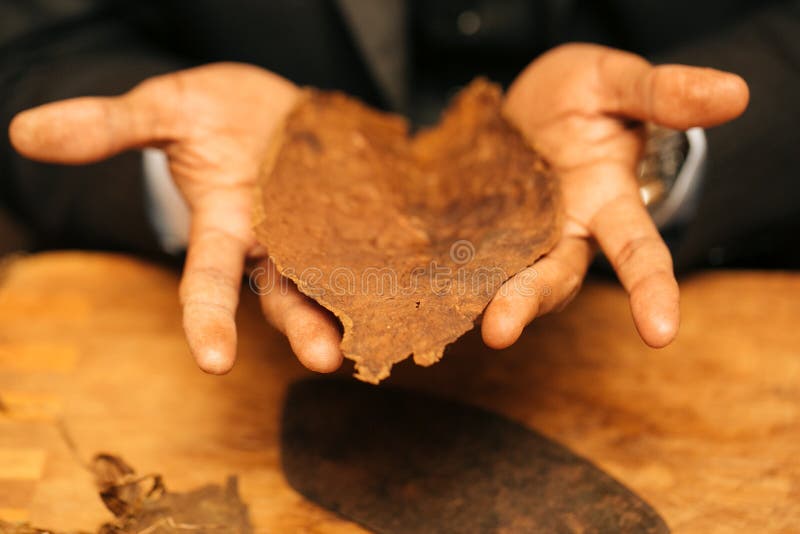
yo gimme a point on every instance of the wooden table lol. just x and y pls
(707, 430)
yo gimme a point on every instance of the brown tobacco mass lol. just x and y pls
(142, 504)
(405, 239)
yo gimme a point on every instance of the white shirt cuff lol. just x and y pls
(166, 208)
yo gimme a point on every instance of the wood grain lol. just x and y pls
(707, 430)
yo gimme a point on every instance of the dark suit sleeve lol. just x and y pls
(749, 210)
(51, 50)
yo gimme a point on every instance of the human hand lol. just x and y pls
(578, 103)
(214, 123)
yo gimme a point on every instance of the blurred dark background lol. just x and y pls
(408, 56)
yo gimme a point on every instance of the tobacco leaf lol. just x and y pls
(404, 238)
(142, 504)
(123, 492)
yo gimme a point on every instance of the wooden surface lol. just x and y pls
(708, 430)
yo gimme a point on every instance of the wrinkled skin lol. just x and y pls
(577, 102)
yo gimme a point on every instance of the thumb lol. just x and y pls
(88, 129)
(675, 96)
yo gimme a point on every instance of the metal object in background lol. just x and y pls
(670, 173)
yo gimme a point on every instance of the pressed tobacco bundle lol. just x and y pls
(404, 238)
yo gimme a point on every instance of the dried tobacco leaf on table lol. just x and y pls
(405, 239)
(142, 504)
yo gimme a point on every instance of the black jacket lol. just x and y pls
(405, 55)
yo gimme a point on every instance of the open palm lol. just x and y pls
(214, 123)
(581, 106)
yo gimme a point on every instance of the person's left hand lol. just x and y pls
(580, 105)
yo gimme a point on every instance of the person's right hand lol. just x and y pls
(214, 123)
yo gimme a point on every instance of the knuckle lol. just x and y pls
(663, 275)
(637, 248)
(214, 237)
(159, 101)
(208, 307)
(207, 282)
(214, 276)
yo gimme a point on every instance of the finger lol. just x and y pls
(83, 130)
(630, 240)
(674, 96)
(210, 292)
(312, 331)
(548, 285)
